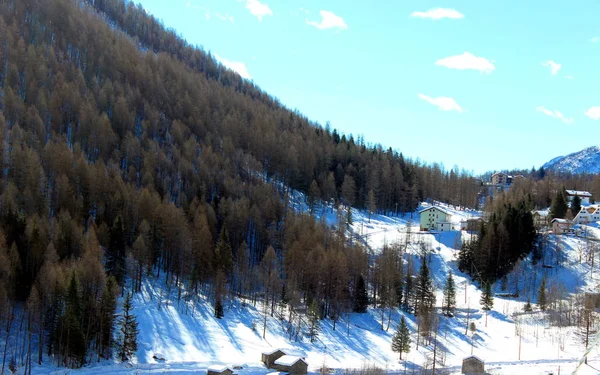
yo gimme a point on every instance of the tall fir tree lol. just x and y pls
(314, 324)
(75, 348)
(576, 205)
(108, 305)
(425, 296)
(449, 296)
(401, 339)
(128, 331)
(542, 301)
(559, 207)
(487, 299)
(223, 259)
(361, 299)
(115, 254)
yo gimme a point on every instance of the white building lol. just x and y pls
(585, 196)
(587, 215)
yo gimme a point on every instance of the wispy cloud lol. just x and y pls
(595, 39)
(329, 20)
(442, 102)
(555, 114)
(438, 14)
(569, 77)
(593, 113)
(225, 17)
(238, 67)
(467, 61)
(258, 9)
(553, 65)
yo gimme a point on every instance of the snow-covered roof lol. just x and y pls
(288, 360)
(436, 207)
(272, 351)
(473, 356)
(561, 221)
(218, 368)
(579, 193)
(542, 213)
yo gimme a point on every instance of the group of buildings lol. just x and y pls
(276, 359)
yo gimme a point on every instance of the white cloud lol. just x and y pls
(225, 17)
(238, 67)
(569, 77)
(553, 65)
(442, 102)
(593, 113)
(438, 14)
(467, 61)
(595, 39)
(258, 9)
(555, 114)
(329, 21)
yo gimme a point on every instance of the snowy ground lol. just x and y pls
(190, 339)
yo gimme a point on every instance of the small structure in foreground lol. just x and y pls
(291, 364)
(473, 366)
(269, 357)
(219, 370)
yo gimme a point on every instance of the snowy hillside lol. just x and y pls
(189, 338)
(584, 161)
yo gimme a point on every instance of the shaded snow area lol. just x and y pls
(191, 340)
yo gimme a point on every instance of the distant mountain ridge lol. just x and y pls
(584, 161)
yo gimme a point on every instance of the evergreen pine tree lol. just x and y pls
(108, 305)
(449, 296)
(361, 300)
(128, 331)
(559, 205)
(576, 205)
(314, 325)
(223, 253)
(527, 307)
(401, 339)
(487, 299)
(425, 297)
(75, 345)
(219, 308)
(541, 297)
(115, 253)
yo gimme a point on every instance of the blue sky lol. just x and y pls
(484, 85)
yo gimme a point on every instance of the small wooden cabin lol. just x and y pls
(292, 365)
(269, 357)
(473, 366)
(219, 370)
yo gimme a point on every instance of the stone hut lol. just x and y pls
(219, 370)
(291, 364)
(473, 366)
(269, 357)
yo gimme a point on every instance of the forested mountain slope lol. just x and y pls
(127, 152)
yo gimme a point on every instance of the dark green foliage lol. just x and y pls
(424, 293)
(559, 205)
(527, 307)
(576, 205)
(75, 348)
(108, 306)
(449, 296)
(401, 339)
(314, 324)
(508, 235)
(361, 299)
(487, 298)
(223, 254)
(542, 300)
(219, 308)
(128, 331)
(115, 254)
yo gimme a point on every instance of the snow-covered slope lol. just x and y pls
(189, 338)
(584, 161)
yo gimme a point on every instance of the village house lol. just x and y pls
(219, 370)
(561, 226)
(435, 218)
(585, 196)
(291, 364)
(587, 215)
(473, 366)
(541, 219)
(269, 357)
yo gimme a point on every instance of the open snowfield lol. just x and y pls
(190, 339)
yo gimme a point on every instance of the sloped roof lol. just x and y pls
(579, 193)
(273, 351)
(475, 357)
(288, 360)
(436, 207)
(561, 221)
(218, 368)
